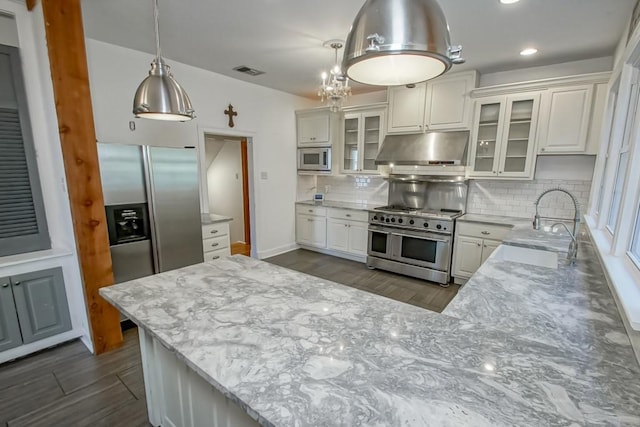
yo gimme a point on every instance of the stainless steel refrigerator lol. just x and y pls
(153, 208)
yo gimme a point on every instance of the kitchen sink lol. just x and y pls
(527, 256)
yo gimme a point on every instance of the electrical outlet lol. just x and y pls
(264, 175)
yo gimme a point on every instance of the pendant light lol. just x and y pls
(399, 42)
(159, 96)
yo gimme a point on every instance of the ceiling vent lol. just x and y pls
(248, 70)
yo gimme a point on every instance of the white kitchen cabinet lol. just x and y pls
(564, 123)
(313, 127)
(473, 245)
(597, 117)
(467, 256)
(363, 132)
(311, 230)
(488, 246)
(448, 104)
(347, 236)
(215, 241)
(406, 108)
(504, 136)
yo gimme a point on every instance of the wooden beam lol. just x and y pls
(70, 76)
(31, 4)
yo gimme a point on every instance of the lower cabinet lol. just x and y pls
(473, 245)
(342, 232)
(215, 241)
(33, 306)
(347, 236)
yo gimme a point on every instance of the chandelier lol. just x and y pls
(335, 85)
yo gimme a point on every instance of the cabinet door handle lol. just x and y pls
(214, 231)
(486, 233)
(348, 215)
(500, 172)
(479, 244)
(215, 244)
(5, 285)
(309, 220)
(16, 284)
(311, 210)
(215, 257)
(485, 246)
(542, 149)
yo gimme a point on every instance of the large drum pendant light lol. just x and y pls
(399, 42)
(159, 96)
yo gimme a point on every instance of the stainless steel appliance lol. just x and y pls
(153, 209)
(413, 235)
(314, 159)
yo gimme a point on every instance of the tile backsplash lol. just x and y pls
(356, 189)
(516, 198)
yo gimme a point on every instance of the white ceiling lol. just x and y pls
(284, 37)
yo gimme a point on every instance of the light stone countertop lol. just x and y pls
(341, 205)
(214, 218)
(520, 345)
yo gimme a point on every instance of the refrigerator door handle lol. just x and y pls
(155, 244)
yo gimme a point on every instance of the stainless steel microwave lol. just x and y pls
(314, 159)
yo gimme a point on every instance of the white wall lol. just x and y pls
(265, 116)
(224, 179)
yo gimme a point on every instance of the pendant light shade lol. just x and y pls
(399, 42)
(160, 96)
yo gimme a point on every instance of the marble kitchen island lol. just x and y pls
(287, 349)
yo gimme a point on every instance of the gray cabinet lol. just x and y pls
(33, 307)
(9, 327)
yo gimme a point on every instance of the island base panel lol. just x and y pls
(178, 397)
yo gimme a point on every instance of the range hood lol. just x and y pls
(425, 149)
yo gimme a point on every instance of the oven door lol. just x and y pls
(429, 250)
(379, 244)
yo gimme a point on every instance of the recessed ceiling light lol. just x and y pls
(509, 1)
(529, 51)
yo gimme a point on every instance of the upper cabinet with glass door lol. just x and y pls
(363, 133)
(503, 138)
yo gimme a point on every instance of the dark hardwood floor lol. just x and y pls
(68, 386)
(355, 274)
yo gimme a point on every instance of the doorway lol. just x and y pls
(227, 174)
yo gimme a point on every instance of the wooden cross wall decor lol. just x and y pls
(229, 112)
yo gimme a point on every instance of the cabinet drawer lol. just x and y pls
(215, 243)
(483, 231)
(311, 210)
(214, 255)
(349, 214)
(215, 230)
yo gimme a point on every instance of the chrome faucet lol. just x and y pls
(573, 247)
(572, 254)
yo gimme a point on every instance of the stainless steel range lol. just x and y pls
(414, 235)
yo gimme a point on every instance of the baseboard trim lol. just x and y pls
(345, 255)
(27, 349)
(276, 251)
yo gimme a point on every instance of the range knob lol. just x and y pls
(400, 221)
(412, 222)
(375, 217)
(393, 220)
(426, 225)
(381, 218)
(438, 226)
(387, 220)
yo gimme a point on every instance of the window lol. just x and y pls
(634, 250)
(623, 160)
(617, 191)
(23, 226)
(606, 163)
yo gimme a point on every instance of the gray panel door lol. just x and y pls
(41, 302)
(175, 207)
(9, 327)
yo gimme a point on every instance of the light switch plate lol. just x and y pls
(264, 175)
